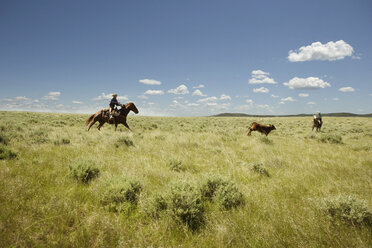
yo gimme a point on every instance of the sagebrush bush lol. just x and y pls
(331, 138)
(158, 204)
(6, 153)
(210, 185)
(260, 169)
(124, 140)
(348, 208)
(3, 139)
(186, 204)
(228, 196)
(119, 194)
(222, 191)
(176, 165)
(83, 170)
(63, 141)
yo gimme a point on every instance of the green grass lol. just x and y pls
(149, 189)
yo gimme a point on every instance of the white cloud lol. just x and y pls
(318, 51)
(261, 77)
(198, 93)
(77, 102)
(303, 95)
(274, 96)
(208, 99)
(311, 103)
(53, 95)
(335, 99)
(306, 83)
(288, 99)
(346, 89)
(225, 97)
(250, 101)
(154, 92)
(193, 104)
(22, 98)
(261, 90)
(281, 102)
(265, 107)
(180, 90)
(199, 86)
(143, 97)
(150, 82)
(104, 96)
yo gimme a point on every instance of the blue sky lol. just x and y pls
(187, 58)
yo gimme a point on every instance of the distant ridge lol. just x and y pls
(342, 114)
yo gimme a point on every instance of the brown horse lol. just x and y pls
(317, 124)
(102, 117)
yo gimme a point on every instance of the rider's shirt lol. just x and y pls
(114, 102)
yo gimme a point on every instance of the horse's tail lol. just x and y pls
(89, 119)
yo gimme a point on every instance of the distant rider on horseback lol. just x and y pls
(318, 117)
(113, 103)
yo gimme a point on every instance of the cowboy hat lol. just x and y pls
(114, 94)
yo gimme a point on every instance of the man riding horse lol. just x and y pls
(113, 103)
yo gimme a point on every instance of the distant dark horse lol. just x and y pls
(317, 124)
(102, 117)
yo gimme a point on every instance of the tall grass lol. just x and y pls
(167, 167)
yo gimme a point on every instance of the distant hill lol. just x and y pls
(342, 114)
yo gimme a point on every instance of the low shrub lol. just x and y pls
(83, 170)
(158, 204)
(186, 205)
(6, 153)
(210, 186)
(260, 169)
(176, 165)
(63, 141)
(124, 140)
(228, 196)
(222, 191)
(3, 139)
(348, 208)
(331, 138)
(120, 193)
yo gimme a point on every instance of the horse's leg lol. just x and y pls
(116, 125)
(101, 123)
(92, 123)
(125, 124)
(249, 133)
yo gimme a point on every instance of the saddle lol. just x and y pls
(114, 112)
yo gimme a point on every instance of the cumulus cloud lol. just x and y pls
(211, 99)
(180, 90)
(261, 90)
(261, 77)
(150, 82)
(288, 99)
(199, 86)
(318, 51)
(77, 102)
(104, 96)
(274, 96)
(198, 93)
(306, 83)
(22, 98)
(154, 92)
(225, 97)
(265, 107)
(250, 101)
(193, 104)
(303, 95)
(311, 103)
(53, 95)
(346, 89)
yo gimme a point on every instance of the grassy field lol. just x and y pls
(184, 182)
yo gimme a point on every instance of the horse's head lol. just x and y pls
(131, 106)
(272, 127)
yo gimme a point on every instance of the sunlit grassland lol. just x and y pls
(43, 205)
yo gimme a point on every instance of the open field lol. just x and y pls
(270, 192)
